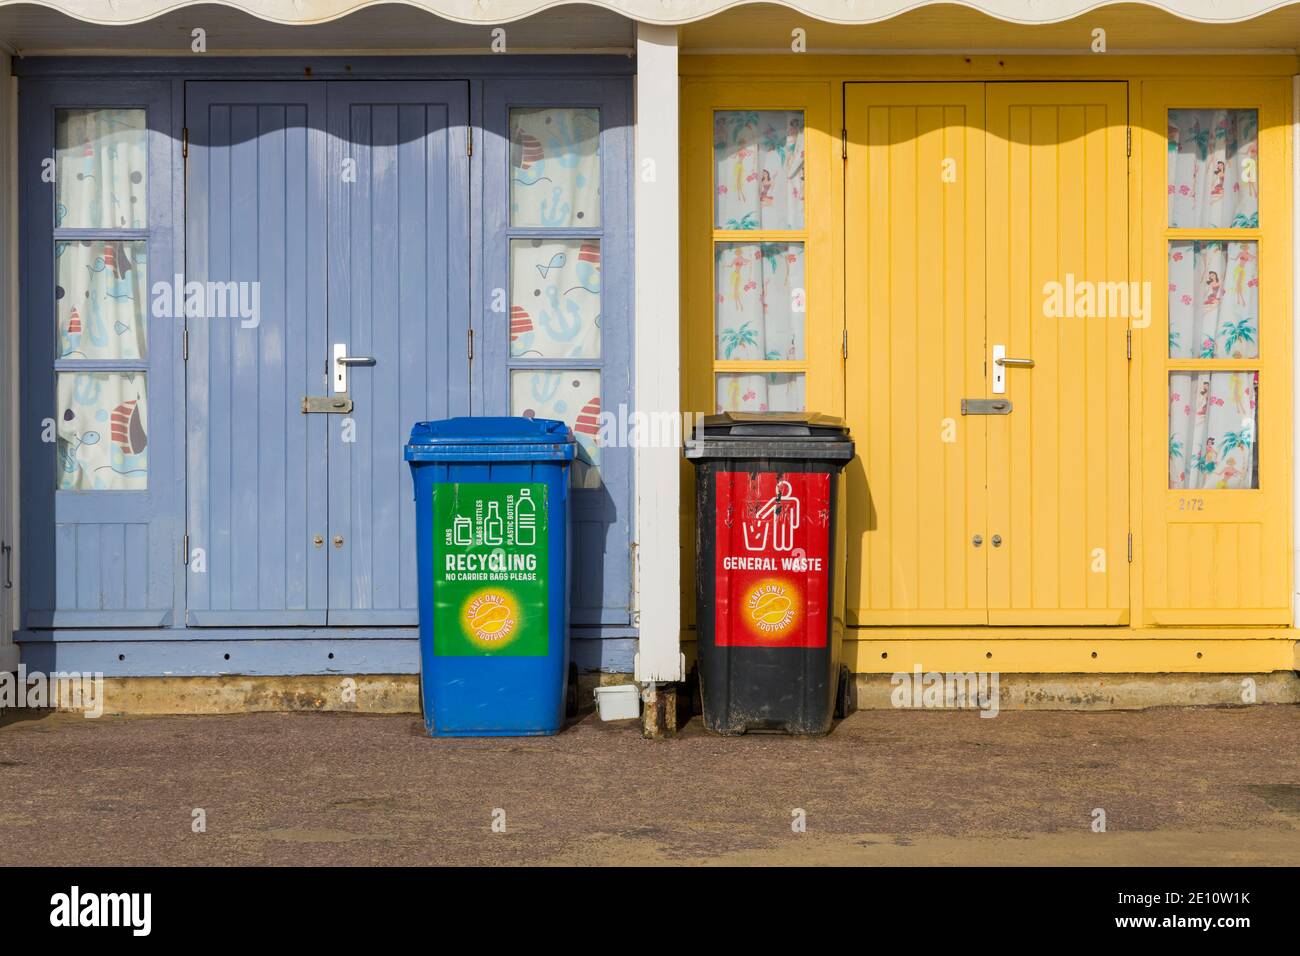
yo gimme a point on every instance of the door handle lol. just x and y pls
(1002, 362)
(342, 361)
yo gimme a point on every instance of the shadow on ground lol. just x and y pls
(1177, 786)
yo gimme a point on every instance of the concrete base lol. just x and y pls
(1110, 691)
(362, 694)
(400, 694)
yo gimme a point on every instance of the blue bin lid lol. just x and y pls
(490, 439)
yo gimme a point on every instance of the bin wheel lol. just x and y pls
(571, 696)
(844, 694)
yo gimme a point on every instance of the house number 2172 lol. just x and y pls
(1191, 504)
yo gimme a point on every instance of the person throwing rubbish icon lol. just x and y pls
(778, 519)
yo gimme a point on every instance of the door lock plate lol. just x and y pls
(326, 404)
(985, 406)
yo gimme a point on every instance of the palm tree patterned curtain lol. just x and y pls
(1213, 299)
(758, 175)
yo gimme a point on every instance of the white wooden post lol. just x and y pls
(658, 354)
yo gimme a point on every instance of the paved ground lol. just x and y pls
(1206, 787)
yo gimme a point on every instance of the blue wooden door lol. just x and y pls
(257, 466)
(345, 207)
(557, 291)
(398, 295)
(99, 435)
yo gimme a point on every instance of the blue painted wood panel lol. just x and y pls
(398, 293)
(386, 650)
(94, 558)
(256, 464)
(601, 517)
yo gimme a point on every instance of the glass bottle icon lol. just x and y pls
(492, 528)
(525, 519)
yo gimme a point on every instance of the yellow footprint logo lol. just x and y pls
(771, 608)
(490, 618)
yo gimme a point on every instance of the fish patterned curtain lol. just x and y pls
(759, 172)
(555, 298)
(568, 395)
(100, 169)
(102, 431)
(102, 299)
(555, 167)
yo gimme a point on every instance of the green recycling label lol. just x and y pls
(489, 576)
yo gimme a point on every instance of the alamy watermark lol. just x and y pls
(1077, 298)
(953, 690)
(208, 300)
(61, 690)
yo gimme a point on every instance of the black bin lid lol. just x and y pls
(771, 435)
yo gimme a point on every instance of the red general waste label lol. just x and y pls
(771, 562)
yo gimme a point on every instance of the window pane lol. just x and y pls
(569, 395)
(101, 169)
(759, 301)
(1213, 300)
(758, 169)
(102, 299)
(103, 431)
(1213, 169)
(760, 392)
(1212, 429)
(555, 298)
(555, 167)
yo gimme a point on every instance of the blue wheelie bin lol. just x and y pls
(491, 505)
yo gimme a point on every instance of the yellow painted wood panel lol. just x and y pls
(1218, 556)
(1058, 463)
(1218, 652)
(914, 203)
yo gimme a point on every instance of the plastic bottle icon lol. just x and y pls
(493, 527)
(525, 519)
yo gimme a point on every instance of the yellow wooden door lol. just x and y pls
(973, 213)
(1058, 294)
(914, 301)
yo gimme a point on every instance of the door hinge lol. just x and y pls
(471, 345)
(185, 345)
(1128, 141)
(469, 140)
(1130, 547)
(844, 344)
(1128, 344)
(844, 143)
(185, 142)
(185, 548)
